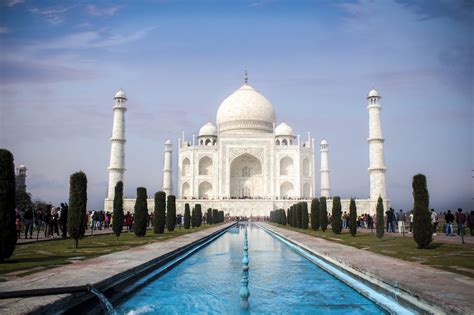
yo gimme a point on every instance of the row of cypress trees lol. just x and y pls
(298, 215)
(319, 214)
(278, 216)
(193, 219)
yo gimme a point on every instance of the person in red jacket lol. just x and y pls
(460, 220)
(128, 221)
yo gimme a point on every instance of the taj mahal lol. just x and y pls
(247, 164)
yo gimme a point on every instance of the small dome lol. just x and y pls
(208, 130)
(22, 167)
(246, 110)
(324, 142)
(373, 93)
(120, 94)
(168, 141)
(283, 130)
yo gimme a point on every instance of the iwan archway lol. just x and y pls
(246, 180)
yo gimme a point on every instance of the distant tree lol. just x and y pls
(323, 213)
(160, 213)
(422, 227)
(198, 210)
(305, 218)
(171, 213)
(117, 221)
(140, 216)
(8, 235)
(77, 206)
(23, 199)
(187, 218)
(353, 217)
(221, 216)
(315, 216)
(294, 216)
(209, 216)
(193, 218)
(379, 226)
(336, 223)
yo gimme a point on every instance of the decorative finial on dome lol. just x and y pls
(246, 80)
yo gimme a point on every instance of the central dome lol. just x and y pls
(246, 110)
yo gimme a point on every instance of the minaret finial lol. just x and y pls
(246, 80)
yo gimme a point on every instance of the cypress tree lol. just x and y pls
(323, 213)
(293, 216)
(215, 216)
(315, 216)
(336, 223)
(140, 216)
(288, 217)
(77, 206)
(305, 218)
(198, 210)
(171, 213)
(283, 216)
(221, 216)
(299, 215)
(160, 213)
(8, 235)
(422, 228)
(187, 218)
(353, 217)
(209, 216)
(117, 222)
(380, 211)
(193, 218)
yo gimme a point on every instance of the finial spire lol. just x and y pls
(246, 79)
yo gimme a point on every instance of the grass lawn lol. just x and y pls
(34, 257)
(457, 258)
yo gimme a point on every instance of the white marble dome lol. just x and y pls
(120, 94)
(246, 110)
(208, 130)
(283, 130)
(373, 93)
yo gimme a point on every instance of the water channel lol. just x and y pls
(281, 282)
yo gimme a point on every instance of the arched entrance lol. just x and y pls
(246, 180)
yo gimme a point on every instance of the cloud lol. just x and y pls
(12, 3)
(103, 11)
(4, 30)
(260, 3)
(53, 15)
(426, 10)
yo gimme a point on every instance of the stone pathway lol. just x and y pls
(452, 292)
(91, 271)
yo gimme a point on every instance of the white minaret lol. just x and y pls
(377, 165)
(167, 171)
(325, 188)
(117, 149)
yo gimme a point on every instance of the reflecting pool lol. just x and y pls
(280, 282)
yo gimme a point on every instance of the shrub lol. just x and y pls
(353, 217)
(77, 206)
(117, 222)
(380, 227)
(7, 205)
(323, 213)
(422, 228)
(171, 213)
(336, 223)
(141, 212)
(160, 213)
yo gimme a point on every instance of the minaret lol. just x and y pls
(117, 149)
(20, 178)
(377, 165)
(167, 171)
(325, 188)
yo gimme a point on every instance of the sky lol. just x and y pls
(61, 63)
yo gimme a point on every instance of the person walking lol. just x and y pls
(401, 221)
(460, 220)
(449, 218)
(411, 221)
(470, 222)
(18, 223)
(434, 221)
(63, 219)
(29, 222)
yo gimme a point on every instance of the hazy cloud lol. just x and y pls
(4, 30)
(53, 15)
(103, 11)
(12, 3)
